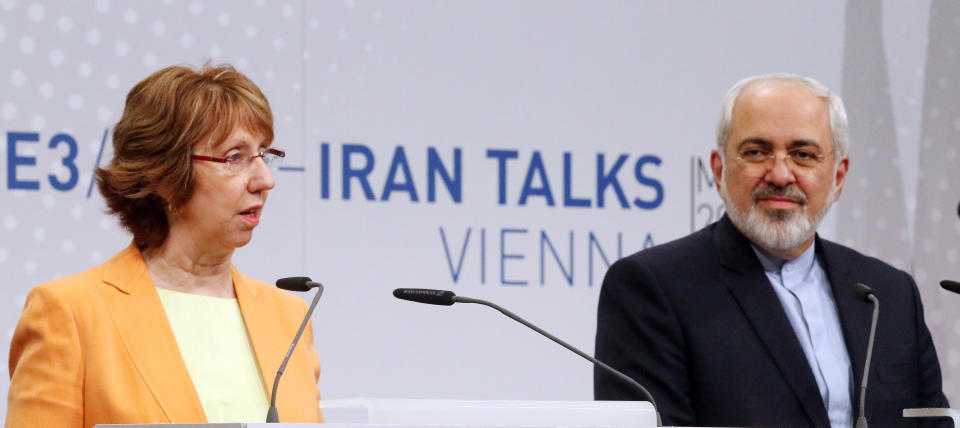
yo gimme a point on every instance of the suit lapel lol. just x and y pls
(262, 322)
(143, 327)
(752, 290)
(855, 314)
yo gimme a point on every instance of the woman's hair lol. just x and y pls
(168, 116)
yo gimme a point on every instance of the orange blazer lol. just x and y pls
(97, 348)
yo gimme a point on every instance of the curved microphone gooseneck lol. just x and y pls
(866, 293)
(298, 283)
(447, 298)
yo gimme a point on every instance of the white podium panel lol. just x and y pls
(476, 413)
(409, 413)
(226, 425)
(328, 425)
(931, 413)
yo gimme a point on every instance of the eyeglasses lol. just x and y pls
(240, 161)
(802, 158)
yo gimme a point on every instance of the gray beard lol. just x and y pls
(776, 231)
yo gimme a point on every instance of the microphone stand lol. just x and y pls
(599, 363)
(867, 294)
(272, 415)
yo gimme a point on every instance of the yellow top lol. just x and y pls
(215, 348)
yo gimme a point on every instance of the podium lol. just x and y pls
(953, 414)
(407, 413)
(412, 413)
(490, 412)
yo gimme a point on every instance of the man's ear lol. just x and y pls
(841, 174)
(716, 164)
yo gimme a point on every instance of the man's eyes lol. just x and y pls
(795, 154)
(803, 155)
(752, 153)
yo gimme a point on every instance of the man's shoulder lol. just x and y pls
(834, 252)
(892, 285)
(696, 244)
(683, 263)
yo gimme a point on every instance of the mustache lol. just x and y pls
(791, 192)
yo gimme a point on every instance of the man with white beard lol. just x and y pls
(753, 320)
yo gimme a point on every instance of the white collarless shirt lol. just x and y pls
(804, 292)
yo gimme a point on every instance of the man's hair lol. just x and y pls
(168, 116)
(838, 114)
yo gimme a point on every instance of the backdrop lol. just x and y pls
(506, 150)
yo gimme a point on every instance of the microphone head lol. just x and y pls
(949, 285)
(296, 283)
(425, 295)
(863, 291)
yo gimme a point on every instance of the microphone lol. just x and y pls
(298, 283)
(447, 298)
(424, 295)
(949, 285)
(866, 294)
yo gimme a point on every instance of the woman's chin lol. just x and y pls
(242, 241)
(237, 239)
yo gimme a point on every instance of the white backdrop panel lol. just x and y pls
(536, 83)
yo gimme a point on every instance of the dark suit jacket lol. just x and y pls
(697, 322)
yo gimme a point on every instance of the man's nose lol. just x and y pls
(780, 173)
